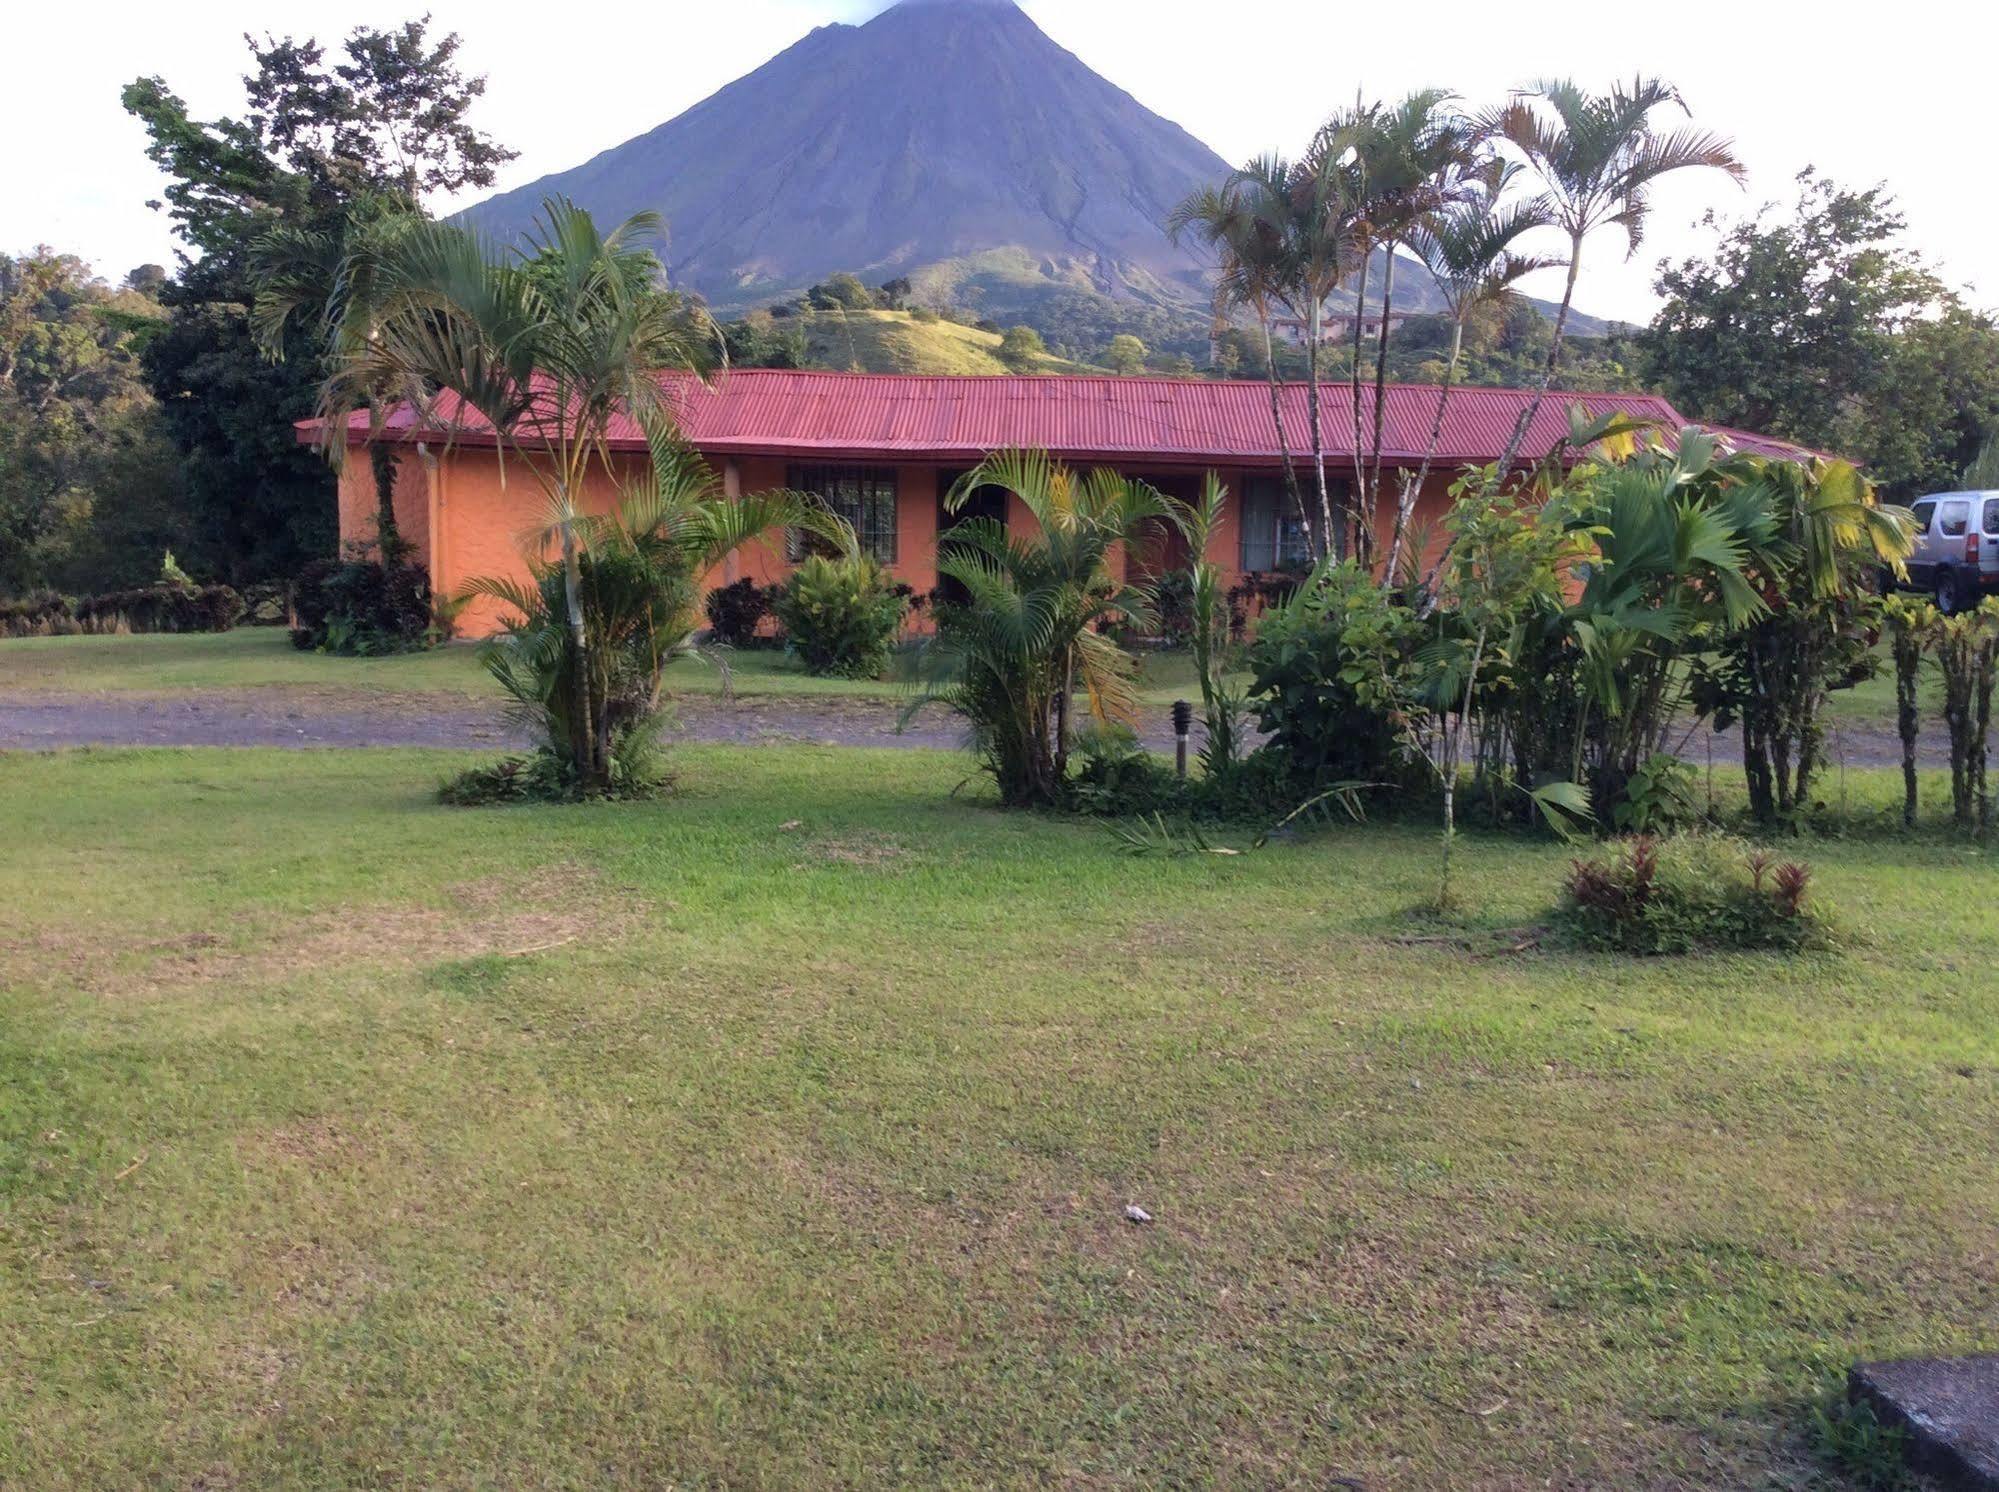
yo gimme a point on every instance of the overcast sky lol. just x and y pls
(1899, 95)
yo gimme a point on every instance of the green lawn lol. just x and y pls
(779, 1134)
(261, 657)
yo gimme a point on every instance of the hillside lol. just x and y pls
(895, 342)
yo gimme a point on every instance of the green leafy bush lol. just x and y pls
(637, 771)
(1689, 893)
(1318, 664)
(737, 610)
(1658, 798)
(359, 608)
(841, 617)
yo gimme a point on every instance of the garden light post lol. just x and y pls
(1183, 723)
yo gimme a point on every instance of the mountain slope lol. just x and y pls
(938, 130)
(895, 342)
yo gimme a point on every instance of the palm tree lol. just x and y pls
(1308, 209)
(324, 280)
(1010, 659)
(545, 347)
(1412, 161)
(1249, 277)
(1467, 247)
(1597, 156)
(636, 575)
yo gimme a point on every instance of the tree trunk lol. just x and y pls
(585, 730)
(1554, 360)
(1369, 515)
(1338, 545)
(1405, 507)
(1315, 540)
(1358, 497)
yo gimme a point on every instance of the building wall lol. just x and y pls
(471, 518)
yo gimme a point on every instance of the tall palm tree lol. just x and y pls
(1467, 248)
(1597, 156)
(1308, 207)
(545, 347)
(1416, 159)
(1249, 277)
(1012, 657)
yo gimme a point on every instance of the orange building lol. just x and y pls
(884, 450)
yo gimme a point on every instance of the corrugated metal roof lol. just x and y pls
(1173, 420)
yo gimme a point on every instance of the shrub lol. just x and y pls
(360, 608)
(1689, 893)
(841, 617)
(150, 608)
(737, 610)
(1317, 663)
(637, 771)
(266, 604)
(1659, 797)
(1173, 608)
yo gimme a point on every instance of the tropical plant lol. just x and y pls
(1597, 157)
(1249, 246)
(1967, 653)
(543, 349)
(634, 575)
(1828, 539)
(1224, 706)
(1689, 893)
(1909, 621)
(1467, 247)
(841, 615)
(1031, 633)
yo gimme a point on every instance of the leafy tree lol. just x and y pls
(1824, 328)
(388, 117)
(841, 292)
(1022, 349)
(1125, 355)
(89, 492)
(761, 340)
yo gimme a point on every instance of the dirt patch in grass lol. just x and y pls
(868, 851)
(494, 915)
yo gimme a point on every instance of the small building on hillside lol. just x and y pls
(885, 449)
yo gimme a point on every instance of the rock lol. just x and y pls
(1133, 1213)
(1949, 1406)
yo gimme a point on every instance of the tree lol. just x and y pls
(1125, 355)
(1034, 628)
(1822, 327)
(389, 118)
(546, 349)
(1250, 276)
(1467, 247)
(841, 292)
(1597, 156)
(1022, 349)
(89, 491)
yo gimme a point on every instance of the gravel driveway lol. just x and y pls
(275, 716)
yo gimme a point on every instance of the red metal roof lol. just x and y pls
(757, 411)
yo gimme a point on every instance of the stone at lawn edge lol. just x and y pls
(1950, 1407)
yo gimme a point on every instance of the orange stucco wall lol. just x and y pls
(468, 518)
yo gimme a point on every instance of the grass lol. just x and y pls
(263, 657)
(895, 342)
(779, 1134)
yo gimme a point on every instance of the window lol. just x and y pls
(863, 495)
(1955, 520)
(1992, 516)
(1923, 512)
(1272, 536)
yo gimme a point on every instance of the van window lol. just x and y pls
(1922, 512)
(1956, 519)
(1992, 516)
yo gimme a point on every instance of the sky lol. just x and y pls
(1865, 96)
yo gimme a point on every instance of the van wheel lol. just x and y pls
(1950, 594)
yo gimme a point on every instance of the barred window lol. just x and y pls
(1272, 537)
(863, 495)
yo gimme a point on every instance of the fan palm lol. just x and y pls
(1597, 156)
(1249, 277)
(545, 347)
(1029, 636)
(1467, 247)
